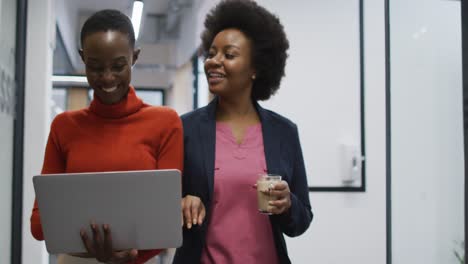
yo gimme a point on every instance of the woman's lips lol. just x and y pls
(215, 80)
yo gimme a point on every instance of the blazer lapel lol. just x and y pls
(271, 140)
(208, 141)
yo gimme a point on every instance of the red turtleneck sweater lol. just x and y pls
(129, 135)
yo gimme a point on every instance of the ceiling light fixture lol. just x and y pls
(56, 79)
(136, 16)
(69, 81)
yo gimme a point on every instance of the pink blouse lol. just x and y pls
(237, 232)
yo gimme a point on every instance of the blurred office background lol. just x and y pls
(375, 86)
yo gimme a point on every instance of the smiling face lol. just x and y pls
(228, 67)
(108, 57)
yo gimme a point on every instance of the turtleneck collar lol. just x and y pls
(129, 105)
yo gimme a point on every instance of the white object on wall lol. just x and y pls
(351, 164)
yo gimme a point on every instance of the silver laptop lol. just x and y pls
(142, 208)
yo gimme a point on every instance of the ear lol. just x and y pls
(80, 51)
(136, 53)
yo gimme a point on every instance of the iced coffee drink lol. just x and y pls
(264, 184)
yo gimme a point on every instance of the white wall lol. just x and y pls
(180, 95)
(348, 227)
(323, 80)
(427, 131)
(39, 49)
(151, 78)
(146, 74)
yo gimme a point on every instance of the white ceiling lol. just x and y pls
(151, 6)
(160, 17)
(159, 25)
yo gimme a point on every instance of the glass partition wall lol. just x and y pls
(427, 159)
(7, 121)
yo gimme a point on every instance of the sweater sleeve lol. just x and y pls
(54, 162)
(145, 255)
(171, 151)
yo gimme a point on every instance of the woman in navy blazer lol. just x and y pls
(246, 50)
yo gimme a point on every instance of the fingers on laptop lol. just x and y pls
(100, 246)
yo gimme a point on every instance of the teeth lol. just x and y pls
(110, 89)
(213, 74)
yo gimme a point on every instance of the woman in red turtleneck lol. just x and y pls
(117, 132)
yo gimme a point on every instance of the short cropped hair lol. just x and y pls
(108, 20)
(269, 41)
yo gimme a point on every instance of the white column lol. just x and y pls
(39, 53)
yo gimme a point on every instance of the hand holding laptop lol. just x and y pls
(102, 248)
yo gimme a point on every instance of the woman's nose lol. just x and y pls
(107, 76)
(213, 61)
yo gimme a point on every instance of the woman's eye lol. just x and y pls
(229, 56)
(118, 68)
(210, 55)
(94, 68)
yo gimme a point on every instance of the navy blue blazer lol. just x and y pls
(283, 156)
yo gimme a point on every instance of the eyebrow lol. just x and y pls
(227, 47)
(121, 58)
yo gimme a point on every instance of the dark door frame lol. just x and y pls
(464, 17)
(17, 196)
(388, 142)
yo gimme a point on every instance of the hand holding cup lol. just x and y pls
(273, 194)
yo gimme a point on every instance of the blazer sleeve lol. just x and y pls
(296, 221)
(54, 162)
